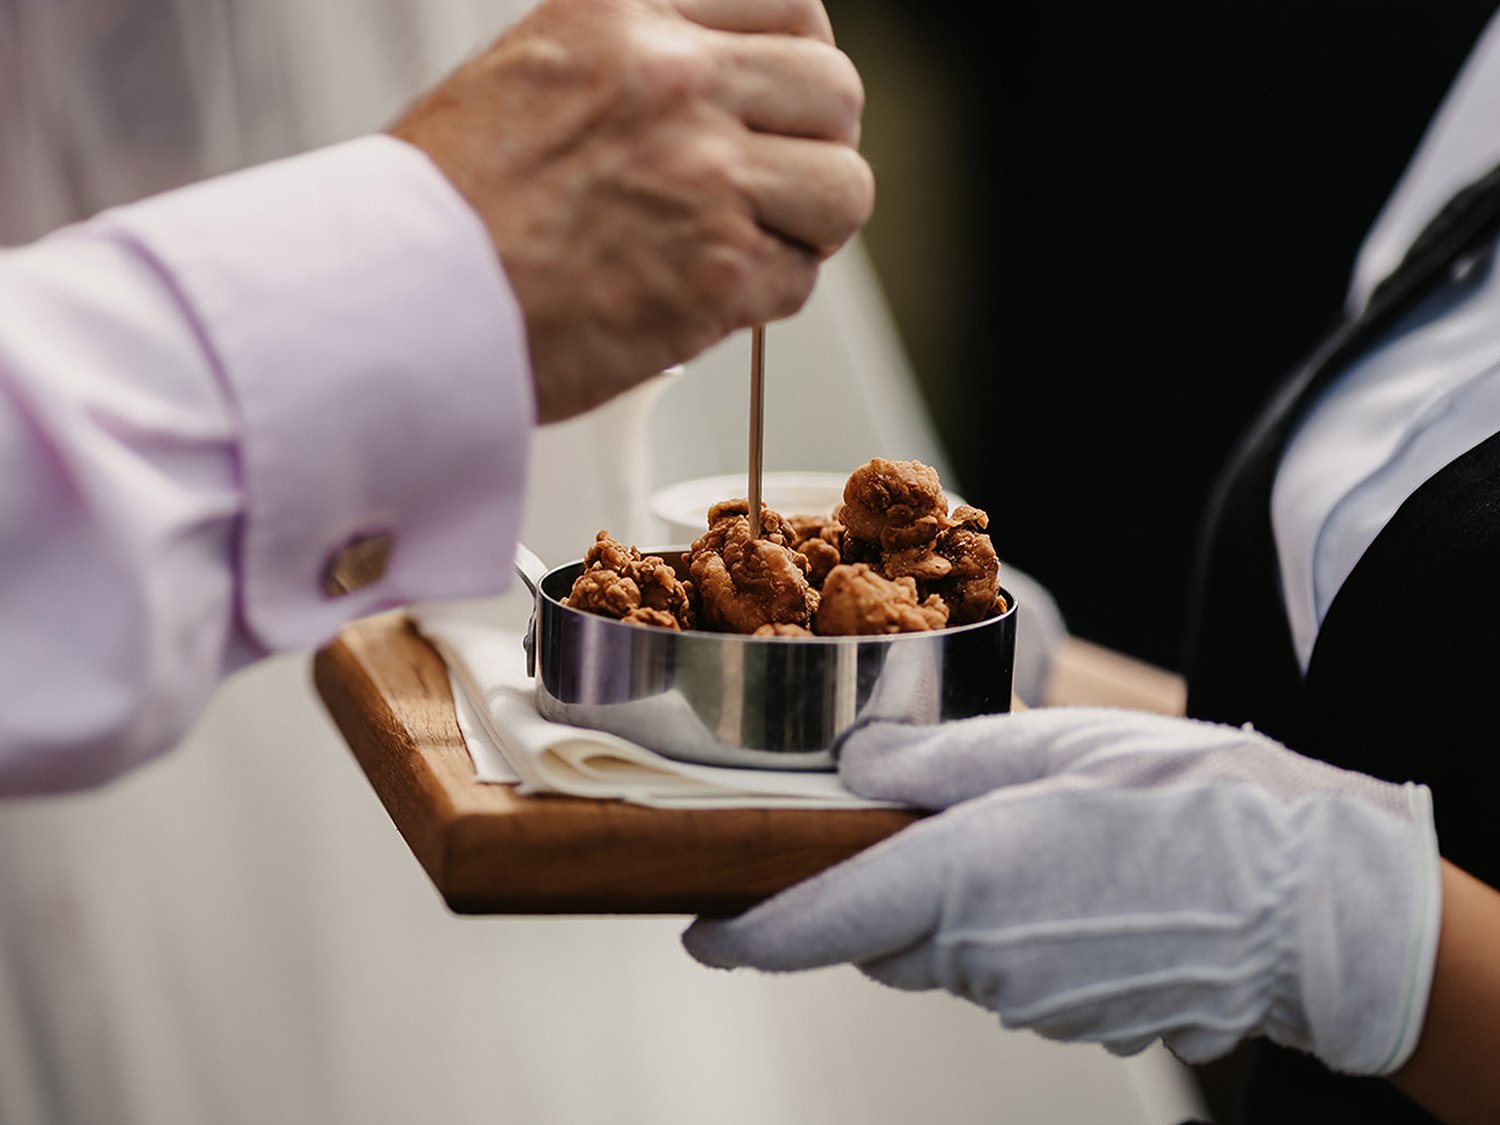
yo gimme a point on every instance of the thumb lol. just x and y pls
(885, 899)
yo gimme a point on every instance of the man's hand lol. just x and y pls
(1119, 877)
(655, 174)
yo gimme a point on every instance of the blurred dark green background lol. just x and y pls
(1106, 229)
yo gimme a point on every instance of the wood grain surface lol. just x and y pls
(489, 850)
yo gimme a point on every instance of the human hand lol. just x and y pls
(655, 174)
(1119, 877)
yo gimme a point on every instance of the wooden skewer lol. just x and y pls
(757, 422)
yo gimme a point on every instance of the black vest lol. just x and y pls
(1401, 678)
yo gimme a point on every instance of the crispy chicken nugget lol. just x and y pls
(619, 582)
(743, 583)
(857, 599)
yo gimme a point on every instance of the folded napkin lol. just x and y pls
(510, 742)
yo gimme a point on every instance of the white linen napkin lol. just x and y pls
(510, 742)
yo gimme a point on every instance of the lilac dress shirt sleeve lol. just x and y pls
(205, 398)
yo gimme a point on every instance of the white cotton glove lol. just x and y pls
(1118, 877)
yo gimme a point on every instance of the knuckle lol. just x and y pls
(839, 86)
(858, 186)
(806, 17)
(794, 290)
(849, 87)
(667, 70)
(713, 165)
(847, 199)
(726, 273)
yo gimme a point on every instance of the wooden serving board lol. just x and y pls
(489, 850)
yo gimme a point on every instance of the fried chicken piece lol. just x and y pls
(605, 592)
(658, 618)
(783, 631)
(894, 512)
(821, 539)
(899, 523)
(610, 554)
(619, 582)
(978, 518)
(890, 559)
(858, 600)
(773, 525)
(743, 583)
(896, 504)
(971, 589)
(854, 550)
(922, 563)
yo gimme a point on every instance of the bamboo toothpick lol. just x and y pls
(757, 422)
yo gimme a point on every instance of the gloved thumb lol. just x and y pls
(886, 899)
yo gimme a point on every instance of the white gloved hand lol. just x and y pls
(1120, 877)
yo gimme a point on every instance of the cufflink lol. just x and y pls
(359, 563)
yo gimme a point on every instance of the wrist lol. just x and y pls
(1451, 1071)
(1366, 926)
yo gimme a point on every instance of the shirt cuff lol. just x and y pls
(375, 357)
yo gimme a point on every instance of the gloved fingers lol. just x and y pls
(910, 969)
(889, 899)
(936, 767)
(1200, 1044)
(882, 901)
(915, 970)
(1124, 1048)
